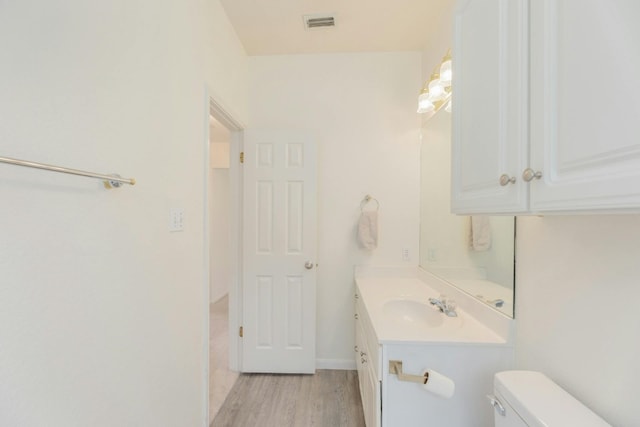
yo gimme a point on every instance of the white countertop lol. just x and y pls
(393, 327)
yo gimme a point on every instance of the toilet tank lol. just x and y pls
(530, 399)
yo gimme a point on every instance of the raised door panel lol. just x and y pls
(489, 106)
(585, 104)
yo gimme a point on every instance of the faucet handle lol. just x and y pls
(444, 299)
(450, 304)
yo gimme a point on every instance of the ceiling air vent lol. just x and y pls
(319, 21)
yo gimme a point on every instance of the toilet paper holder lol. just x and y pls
(395, 368)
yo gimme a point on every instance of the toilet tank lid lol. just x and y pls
(541, 402)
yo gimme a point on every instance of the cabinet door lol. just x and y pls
(585, 104)
(489, 106)
(369, 385)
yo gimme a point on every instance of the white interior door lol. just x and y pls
(279, 292)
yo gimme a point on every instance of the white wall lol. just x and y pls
(442, 40)
(361, 107)
(226, 70)
(577, 293)
(101, 308)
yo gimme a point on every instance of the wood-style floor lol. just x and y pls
(326, 399)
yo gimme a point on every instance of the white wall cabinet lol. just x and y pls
(550, 86)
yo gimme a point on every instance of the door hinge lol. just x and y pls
(241, 332)
(242, 157)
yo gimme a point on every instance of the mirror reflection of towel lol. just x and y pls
(368, 230)
(480, 237)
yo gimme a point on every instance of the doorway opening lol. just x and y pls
(222, 247)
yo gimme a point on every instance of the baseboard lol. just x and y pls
(339, 364)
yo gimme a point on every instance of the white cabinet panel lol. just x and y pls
(489, 106)
(368, 364)
(585, 99)
(471, 367)
(369, 384)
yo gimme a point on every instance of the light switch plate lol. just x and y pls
(176, 219)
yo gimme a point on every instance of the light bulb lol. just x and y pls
(445, 73)
(436, 90)
(424, 103)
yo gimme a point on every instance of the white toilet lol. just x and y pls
(530, 399)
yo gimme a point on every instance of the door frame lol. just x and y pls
(229, 120)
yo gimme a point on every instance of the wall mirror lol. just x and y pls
(485, 271)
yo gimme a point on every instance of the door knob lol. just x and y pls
(529, 175)
(308, 265)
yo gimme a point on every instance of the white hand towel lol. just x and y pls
(368, 230)
(480, 238)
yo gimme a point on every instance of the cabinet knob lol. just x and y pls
(356, 316)
(355, 348)
(506, 179)
(529, 175)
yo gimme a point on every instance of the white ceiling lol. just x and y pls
(267, 27)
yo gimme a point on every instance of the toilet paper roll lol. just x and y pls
(439, 384)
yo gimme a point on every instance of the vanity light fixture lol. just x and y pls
(445, 70)
(424, 103)
(436, 93)
(436, 88)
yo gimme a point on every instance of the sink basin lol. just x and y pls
(411, 311)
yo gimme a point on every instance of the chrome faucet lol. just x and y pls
(445, 305)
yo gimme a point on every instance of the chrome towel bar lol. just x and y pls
(110, 181)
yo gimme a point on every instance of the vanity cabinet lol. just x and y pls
(389, 402)
(545, 106)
